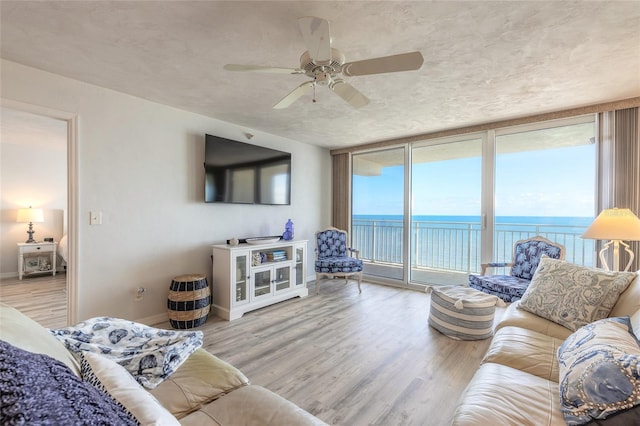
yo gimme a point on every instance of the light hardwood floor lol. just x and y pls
(351, 359)
(348, 358)
(43, 298)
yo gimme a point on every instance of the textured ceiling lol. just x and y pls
(484, 61)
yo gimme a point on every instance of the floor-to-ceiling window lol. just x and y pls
(432, 211)
(446, 188)
(378, 206)
(545, 179)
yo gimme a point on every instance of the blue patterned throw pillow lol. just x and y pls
(599, 372)
(37, 389)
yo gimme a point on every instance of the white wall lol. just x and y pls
(141, 165)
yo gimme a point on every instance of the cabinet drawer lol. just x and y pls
(37, 249)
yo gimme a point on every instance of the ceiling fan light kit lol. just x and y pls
(324, 64)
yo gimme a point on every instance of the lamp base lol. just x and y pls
(616, 255)
(31, 232)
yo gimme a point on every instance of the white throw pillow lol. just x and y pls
(111, 378)
(573, 295)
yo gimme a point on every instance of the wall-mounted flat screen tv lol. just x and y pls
(239, 172)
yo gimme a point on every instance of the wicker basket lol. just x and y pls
(189, 301)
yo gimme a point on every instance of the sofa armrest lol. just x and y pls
(201, 379)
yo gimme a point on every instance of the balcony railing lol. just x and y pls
(455, 246)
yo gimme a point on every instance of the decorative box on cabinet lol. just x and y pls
(251, 276)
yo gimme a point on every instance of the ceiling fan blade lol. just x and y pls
(299, 91)
(317, 39)
(394, 63)
(258, 68)
(349, 93)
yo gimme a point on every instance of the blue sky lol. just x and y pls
(555, 182)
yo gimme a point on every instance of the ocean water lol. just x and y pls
(453, 242)
(536, 220)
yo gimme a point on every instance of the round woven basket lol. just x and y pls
(189, 301)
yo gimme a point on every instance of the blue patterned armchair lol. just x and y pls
(526, 256)
(332, 257)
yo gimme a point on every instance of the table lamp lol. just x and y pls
(30, 215)
(615, 225)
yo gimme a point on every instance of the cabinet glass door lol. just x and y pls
(299, 253)
(283, 278)
(240, 280)
(262, 283)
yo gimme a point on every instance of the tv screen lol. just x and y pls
(239, 172)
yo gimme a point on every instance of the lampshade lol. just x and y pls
(30, 215)
(614, 224)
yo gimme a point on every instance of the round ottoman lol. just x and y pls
(463, 313)
(189, 301)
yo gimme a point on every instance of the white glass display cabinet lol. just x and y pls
(251, 276)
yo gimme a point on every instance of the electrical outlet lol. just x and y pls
(139, 294)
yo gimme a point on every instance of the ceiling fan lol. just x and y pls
(325, 65)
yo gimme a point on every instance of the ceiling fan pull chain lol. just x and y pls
(314, 93)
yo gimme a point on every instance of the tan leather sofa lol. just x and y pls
(203, 391)
(517, 382)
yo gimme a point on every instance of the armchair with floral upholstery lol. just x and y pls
(526, 256)
(332, 257)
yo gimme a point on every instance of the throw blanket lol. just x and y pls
(149, 354)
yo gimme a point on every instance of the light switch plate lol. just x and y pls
(95, 218)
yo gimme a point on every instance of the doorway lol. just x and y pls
(38, 170)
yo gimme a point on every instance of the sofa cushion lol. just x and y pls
(629, 301)
(37, 389)
(201, 379)
(573, 295)
(499, 395)
(251, 405)
(506, 287)
(112, 379)
(599, 373)
(23, 332)
(516, 317)
(525, 350)
(337, 265)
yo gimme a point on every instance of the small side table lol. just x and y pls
(37, 258)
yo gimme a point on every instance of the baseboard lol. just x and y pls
(154, 319)
(6, 275)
